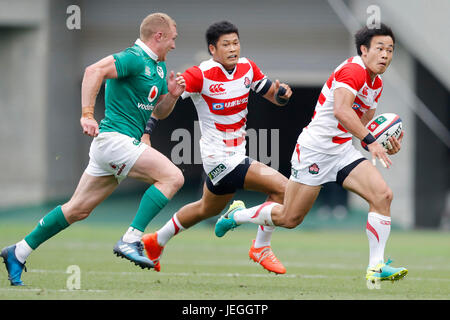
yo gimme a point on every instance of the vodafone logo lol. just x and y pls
(217, 88)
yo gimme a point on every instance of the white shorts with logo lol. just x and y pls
(315, 168)
(113, 153)
(218, 167)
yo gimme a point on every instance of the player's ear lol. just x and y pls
(363, 49)
(212, 49)
(158, 36)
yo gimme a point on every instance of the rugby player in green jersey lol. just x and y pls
(136, 86)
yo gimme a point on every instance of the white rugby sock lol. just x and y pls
(261, 214)
(132, 235)
(23, 250)
(171, 228)
(263, 236)
(378, 228)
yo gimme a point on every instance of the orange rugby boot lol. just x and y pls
(266, 258)
(153, 249)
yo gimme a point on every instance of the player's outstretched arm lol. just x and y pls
(278, 94)
(166, 103)
(92, 81)
(343, 101)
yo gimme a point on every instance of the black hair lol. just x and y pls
(364, 36)
(218, 29)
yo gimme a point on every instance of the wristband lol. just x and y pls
(151, 124)
(369, 139)
(87, 112)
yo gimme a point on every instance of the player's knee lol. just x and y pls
(175, 181)
(389, 196)
(385, 196)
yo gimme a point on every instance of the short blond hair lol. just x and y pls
(153, 23)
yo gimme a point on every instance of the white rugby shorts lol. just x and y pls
(315, 168)
(113, 153)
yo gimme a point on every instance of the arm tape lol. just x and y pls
(264, 86)
(151, 124)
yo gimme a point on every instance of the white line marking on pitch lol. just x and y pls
(228, 275)
(51, 290)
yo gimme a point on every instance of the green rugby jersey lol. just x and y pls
(131, 98)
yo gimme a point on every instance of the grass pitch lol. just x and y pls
(322, 265)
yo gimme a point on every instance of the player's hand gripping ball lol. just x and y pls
(384, 126)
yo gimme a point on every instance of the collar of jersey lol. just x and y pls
(225, 72)
(147, 50)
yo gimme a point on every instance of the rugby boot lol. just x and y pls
(266, 258)
(133, 252)
(226, 222)
(13, 266)
(384, 271)
(153, 249)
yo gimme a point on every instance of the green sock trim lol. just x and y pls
(52, 223)
(151, 204)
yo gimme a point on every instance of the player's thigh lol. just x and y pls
(299, 199)
(90, 192)
(153, 166)
(265, 179)
(366, 181)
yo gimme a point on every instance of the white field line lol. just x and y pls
(332, 266)
(21, 289)
(228, 275)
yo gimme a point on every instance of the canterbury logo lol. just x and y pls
(216, 88)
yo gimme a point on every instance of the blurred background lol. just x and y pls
(45, 45)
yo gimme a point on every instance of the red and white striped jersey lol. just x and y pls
(324, 133)
(221, 101)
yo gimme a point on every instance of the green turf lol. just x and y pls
(197, 265)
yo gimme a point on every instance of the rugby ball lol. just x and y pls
(384, 126)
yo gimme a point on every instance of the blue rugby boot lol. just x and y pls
(133, 252)
(13, 266)
(383, 271)
(227, 222)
